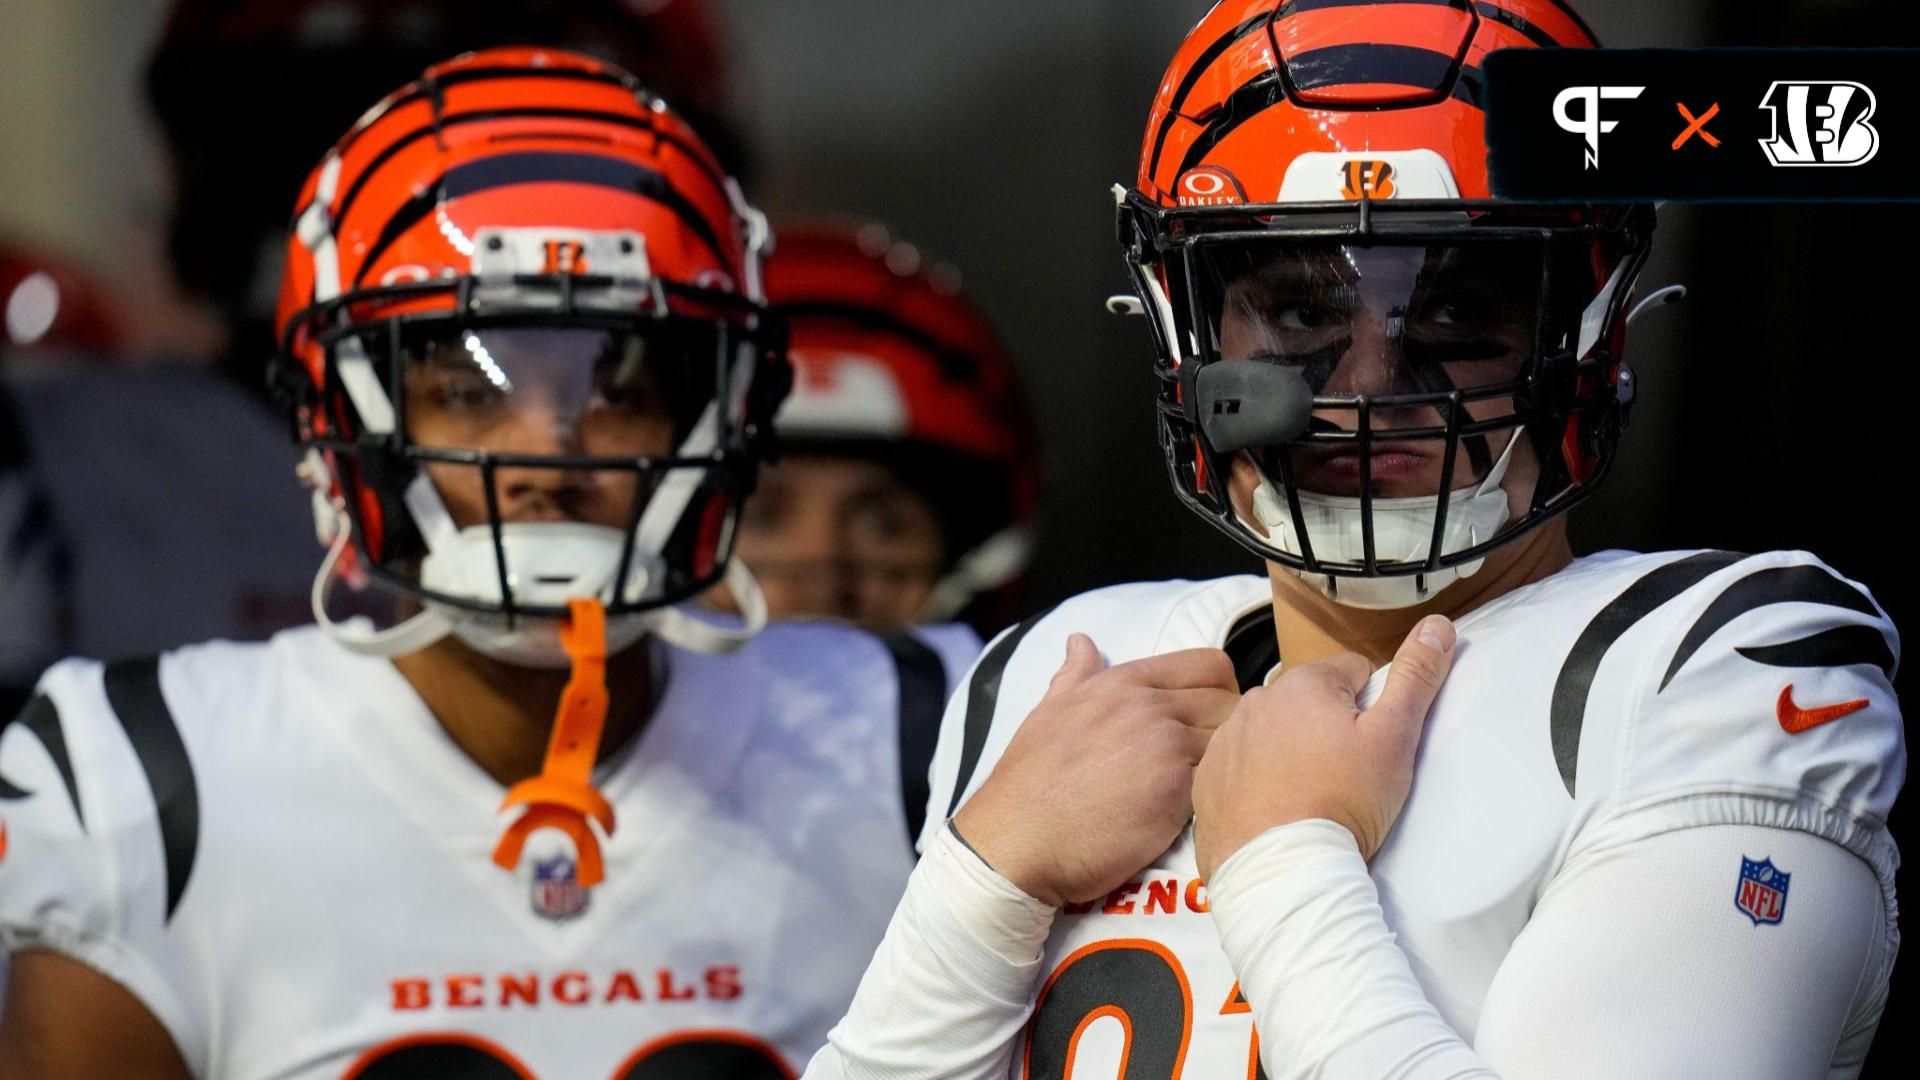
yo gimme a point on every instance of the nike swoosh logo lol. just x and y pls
(1796, 720)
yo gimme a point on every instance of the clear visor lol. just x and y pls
(560, 391)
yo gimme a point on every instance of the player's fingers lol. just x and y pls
(1082, 663)
(1419, 669)
(1184, 670)
(1203, 708)
(1194, 742)
(1346, 674)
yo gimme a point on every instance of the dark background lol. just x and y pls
(1777, 405)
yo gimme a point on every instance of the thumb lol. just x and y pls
(1414, 680)
(1083, 662)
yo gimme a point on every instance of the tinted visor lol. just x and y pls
(1393, 340)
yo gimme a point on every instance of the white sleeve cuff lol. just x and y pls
(959, 895)
(952, 981)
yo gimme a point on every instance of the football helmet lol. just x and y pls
(293, 74)
(892, 361)
(524, 337)
(1341, 310)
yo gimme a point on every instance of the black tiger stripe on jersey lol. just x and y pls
(1835, 647)
(43, 719)
(1575, 683)
(923, 697)
(1762, 588)
(1253, 644)
(133, 693)
(983, 696)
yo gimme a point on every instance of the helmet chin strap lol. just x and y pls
(996, 561)
(356, 635)
(1402, 530)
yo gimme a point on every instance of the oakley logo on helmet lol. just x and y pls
(1210, 185)
(1588, 124)
(1368, 180)
(1820, 124)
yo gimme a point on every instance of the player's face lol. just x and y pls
(564, 392)
(840, 537)
(1386, 321)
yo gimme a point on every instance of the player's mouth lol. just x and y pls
(1395, 469)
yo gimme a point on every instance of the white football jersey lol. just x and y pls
(281, 853)
(1625, 697)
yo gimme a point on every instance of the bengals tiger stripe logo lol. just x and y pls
(1367, 180)
(565, 257)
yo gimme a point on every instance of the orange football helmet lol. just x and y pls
(1313, 194)
(527, 229)
(891, 360)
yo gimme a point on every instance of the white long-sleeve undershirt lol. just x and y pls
(1635, 963)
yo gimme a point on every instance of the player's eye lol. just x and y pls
(461, 392)
(1304, 317)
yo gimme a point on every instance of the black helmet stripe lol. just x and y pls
(420, 91)
(1342, 65)
(1295, 7)
(1513, 21)
(401, 143)
(1194, 74)
(1336, 65)
(1257, 94)
(507, 169)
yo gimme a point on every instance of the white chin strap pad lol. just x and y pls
(536, 642)
(1402, 531)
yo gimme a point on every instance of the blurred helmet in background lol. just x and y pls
(909, 467)
(51, 306)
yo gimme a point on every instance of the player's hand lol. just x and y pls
(1302, 749)
(1099, 780)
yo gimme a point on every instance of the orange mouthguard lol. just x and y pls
(563, 796)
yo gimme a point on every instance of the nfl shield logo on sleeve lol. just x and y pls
(557, 892)
(1762, 893)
